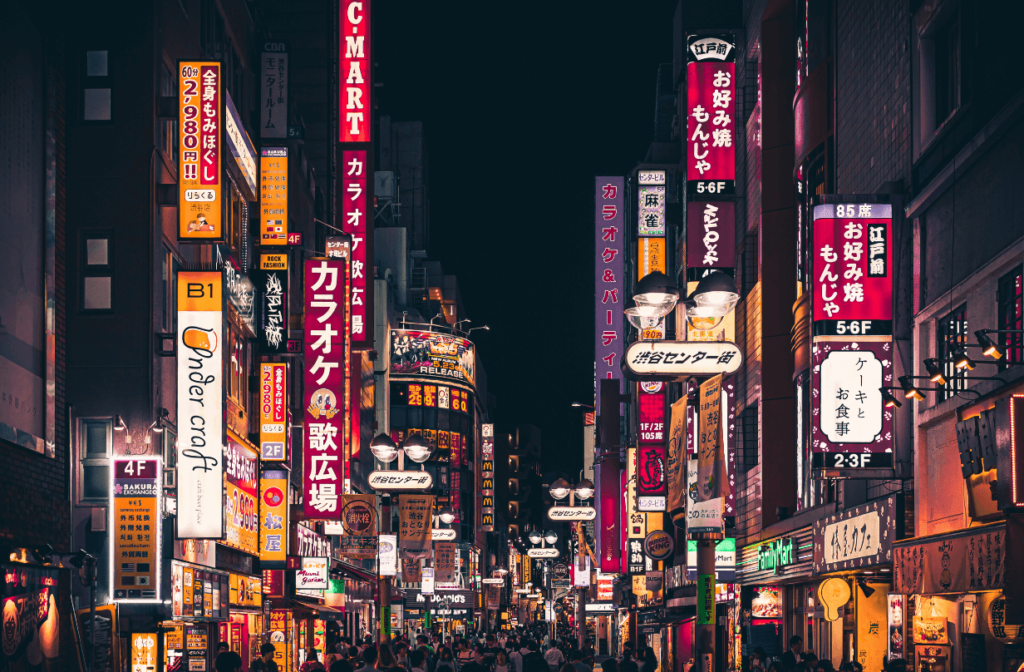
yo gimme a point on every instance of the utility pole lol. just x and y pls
(384, 620)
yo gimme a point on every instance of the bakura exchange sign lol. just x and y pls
(670, 360)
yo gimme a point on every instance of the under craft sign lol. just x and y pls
(669, 360)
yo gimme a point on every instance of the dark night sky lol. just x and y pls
(521, 110)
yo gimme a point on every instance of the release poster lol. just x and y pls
(432, 355)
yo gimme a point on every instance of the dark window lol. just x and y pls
(1011, 317)
(97, 266)
(95, 440)
(96, 89)
(747, 445)
(951, 333)
(947, 70)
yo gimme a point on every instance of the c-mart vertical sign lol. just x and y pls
(355, 110)
(200, 405)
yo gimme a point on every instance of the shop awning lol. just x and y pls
(357, 574)
(323, 611)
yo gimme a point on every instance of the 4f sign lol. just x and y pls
(354, 71)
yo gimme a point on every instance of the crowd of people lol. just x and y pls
(516, 651)
(796, 659)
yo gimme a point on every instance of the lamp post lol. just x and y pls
(386, 450)
(714, 297)
(535, 537)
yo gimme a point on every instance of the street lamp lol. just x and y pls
(716, 292)
(656, 295)
(384, 448)
(534, 536)
(446, 515)
(559, 489)
(551, 536)
(584, 489)
(417, 449)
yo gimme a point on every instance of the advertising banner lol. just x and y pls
(651, 217)
(852, 246)
(354, 72)
(357, 218)
(427, 354)
(387, 555)
(493, 598)
(326, 417)
(245, 591)
(312, 575)
(241, 149)
(359, 524)
(609, 277)
(200, 469)
(240, 503)
(274, 196)
(135, 516)
(200, 114)
(444, 561)
(609, 532)
(650, 257)
(415, 520)
(710, 237)
(857, 538)
(411, 570)
(651, 475)
(273, 411)
(274, 90)
(273, 516)
(143, 651)
(675, 462)
(710, 114)
(850, 426)
(280, 626)
(712, 477)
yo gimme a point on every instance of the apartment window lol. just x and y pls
(95, 442)
(1011, 317)
(96, 92)
(937, 65)
(951, 334)
(747, 458)
(97, 270)
(168, 127)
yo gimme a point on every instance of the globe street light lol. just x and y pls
(656, 295)
(417, 449)
(446, 515)
(559, 489)
(551, 536)
(584, 489)
(534, 536)
(384, 448)
(716, 292)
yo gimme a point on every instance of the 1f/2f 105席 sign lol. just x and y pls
(670, 360)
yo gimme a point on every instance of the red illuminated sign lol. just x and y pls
(354, 71)
(326, 361)
(356, 216)
(711, 114)
(651, 479)
(852, 282)
(710, 237)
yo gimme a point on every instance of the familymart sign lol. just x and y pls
(776, 554)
